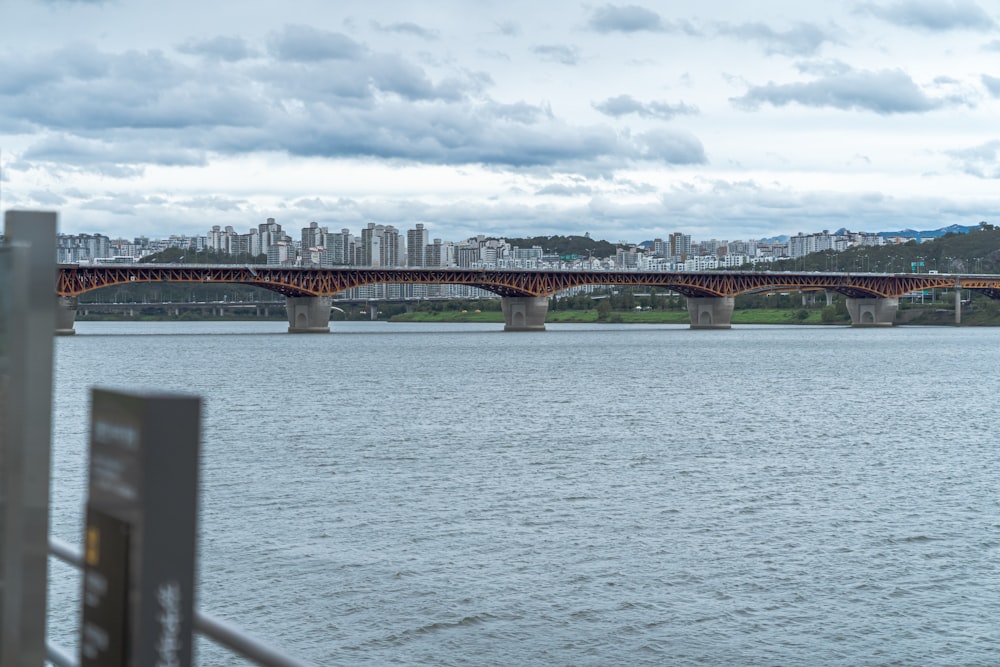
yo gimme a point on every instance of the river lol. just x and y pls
(424, 494)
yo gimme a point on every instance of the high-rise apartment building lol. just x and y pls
(680, 246)
(270, 233)
(72, 249)
(340, 247)
(380, 246)
(313, 236)
(416, 246)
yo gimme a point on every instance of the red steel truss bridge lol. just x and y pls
(74, 280)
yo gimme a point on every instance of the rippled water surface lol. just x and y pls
(454, 495)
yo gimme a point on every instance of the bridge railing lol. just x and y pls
(27, 319)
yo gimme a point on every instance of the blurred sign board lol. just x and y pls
(140, 537)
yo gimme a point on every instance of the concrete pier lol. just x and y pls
(873, 312)
(308, 314)
(712, 312)
(65, 315)
(524, 313)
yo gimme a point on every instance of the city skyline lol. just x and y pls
(625, 121)
(387, 246)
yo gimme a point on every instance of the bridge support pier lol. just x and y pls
(874, 312)
(308, 314)
(65, 315)
(524, 313)
(711, 312)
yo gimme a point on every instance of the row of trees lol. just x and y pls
(975, 252)
(189, 256)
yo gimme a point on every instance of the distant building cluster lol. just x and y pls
(385, 246)
(99, 249)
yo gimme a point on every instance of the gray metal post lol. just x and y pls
(25, 439)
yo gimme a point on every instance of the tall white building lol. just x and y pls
(269, 233)
(380, 246)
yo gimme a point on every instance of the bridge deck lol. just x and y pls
(297, 282)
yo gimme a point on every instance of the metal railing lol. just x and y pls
(221, 632)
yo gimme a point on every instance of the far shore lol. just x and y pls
(812, 316)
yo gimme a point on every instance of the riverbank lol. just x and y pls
(924, 316)
(756, 316)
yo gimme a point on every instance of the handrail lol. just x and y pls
(65, 552)
(58, 657)
(230, 636)
(222, 632)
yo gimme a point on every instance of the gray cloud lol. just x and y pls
(982, 161)
(408, 28)
(804, 39)
(213, 203)
(882, 92)
(565, 55)
(77, 62)
(519, 112)
(120, 204)
(47, 198)
(623, 105)
(509, 28)
(932, 15)
(992, 46)
(144, 108)
(672, 147)
(992, 84)
(561, 190)
(393, 74)
(72, 150)
(625, 18)
(823, 67)
(229, 49)
(126, 99)
(302, 43)
(445, 134)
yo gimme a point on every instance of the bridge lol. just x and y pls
(872, 298)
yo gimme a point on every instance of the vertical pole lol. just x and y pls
(958, 303)
(26, 440)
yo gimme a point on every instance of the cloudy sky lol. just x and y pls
(628, 121)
